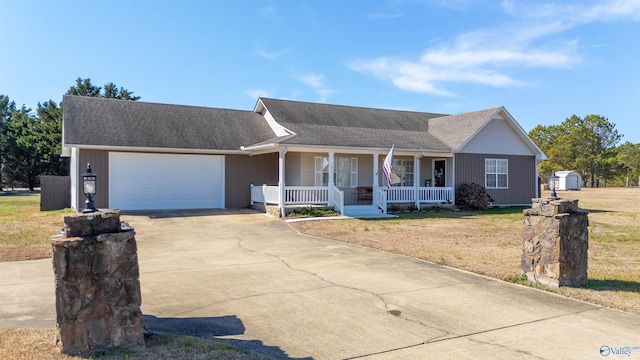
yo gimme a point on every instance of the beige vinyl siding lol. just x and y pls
(426, 170)
(99, 160)
(497, 138)
(521, 177)
(293, 169)
(365, 169)
(241, 171)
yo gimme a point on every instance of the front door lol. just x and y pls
(439, 173)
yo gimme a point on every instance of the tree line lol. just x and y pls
(31, 141)
(591, 147)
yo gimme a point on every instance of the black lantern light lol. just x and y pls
(554, 183)
(89, 188)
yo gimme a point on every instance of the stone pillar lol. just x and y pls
(97, 284)
(555, 243)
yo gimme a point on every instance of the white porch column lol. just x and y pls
(416, 179)
(376, 184)
(331, 184)
(281, 182)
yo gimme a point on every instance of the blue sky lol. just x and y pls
(543, 60)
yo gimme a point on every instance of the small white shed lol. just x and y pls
(569, 180)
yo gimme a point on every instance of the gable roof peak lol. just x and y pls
(457, 130)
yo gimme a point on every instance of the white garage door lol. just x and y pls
(165, 181)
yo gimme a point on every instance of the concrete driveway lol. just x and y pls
(250, 278)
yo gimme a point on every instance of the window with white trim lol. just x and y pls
(345, 172)
(496, 173)
(402, 172)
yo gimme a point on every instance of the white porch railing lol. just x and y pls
(338, 199)
(435, 194)
(292, 195)
(405, 194)
(306, 195)
(401, 194)
(265, 194)
(296, 195)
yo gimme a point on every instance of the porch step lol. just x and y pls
(363, 211)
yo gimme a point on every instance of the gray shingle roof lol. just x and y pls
(109, 122)
(330, 135)
(336, 125)
(299, 112)
(120, 123)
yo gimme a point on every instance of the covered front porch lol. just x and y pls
(357, 186)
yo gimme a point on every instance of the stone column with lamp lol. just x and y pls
(555, 241)
(97, 283)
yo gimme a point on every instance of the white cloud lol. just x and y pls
(474, 57)
(454, 4)
(491, 56)
(426, 78)
(256, 93)
(385, 15)
(270, 12)
(271, 55)
(575, 13)
(317, 83)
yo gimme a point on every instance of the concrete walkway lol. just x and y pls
(252, 279)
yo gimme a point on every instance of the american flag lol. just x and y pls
(386, 167)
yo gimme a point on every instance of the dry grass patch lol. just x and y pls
(21, 344)
(26, 231)
(490, 242)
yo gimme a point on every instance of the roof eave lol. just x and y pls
(155, 149)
